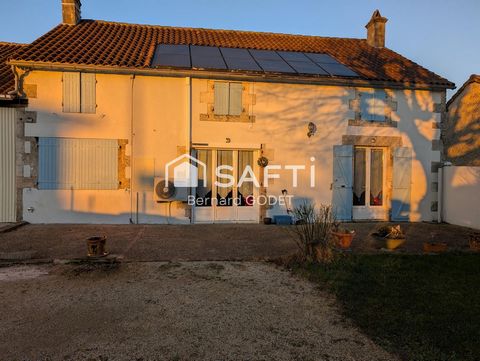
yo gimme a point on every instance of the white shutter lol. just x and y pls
(342, 185)
(235, 99)
(71, 92)
(66, 163)
(221, 98)
(7, 165)
(88, 97)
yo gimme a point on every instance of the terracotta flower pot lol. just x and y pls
(344, 240)
(394, 243)
(96, 246)
(430, 247)
(474, 245)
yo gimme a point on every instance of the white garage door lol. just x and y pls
(7, 164)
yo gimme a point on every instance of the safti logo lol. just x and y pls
(185, 174)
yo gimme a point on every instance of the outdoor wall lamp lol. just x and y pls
(312, 129)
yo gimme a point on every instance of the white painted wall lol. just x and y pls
(283, 112)
(461, 189)
(158, 128)
(160, 113)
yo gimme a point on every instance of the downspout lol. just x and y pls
(132, 173)
(188, 132)
(441, 179)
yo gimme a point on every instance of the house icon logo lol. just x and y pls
(185, 171)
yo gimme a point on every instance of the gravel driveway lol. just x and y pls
(172, 311)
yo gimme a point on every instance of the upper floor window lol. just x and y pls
(79, 92)
(228, 98)
(372, 105)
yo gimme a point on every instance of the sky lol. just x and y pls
(441, 35)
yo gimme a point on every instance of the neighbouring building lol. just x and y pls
(460, 177)
(461, 134)
(110, 105)
(11, 156)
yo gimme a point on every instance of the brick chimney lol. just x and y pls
(376, 30)
(71, 11)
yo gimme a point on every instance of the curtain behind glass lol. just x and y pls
(359, 177)
(376, 177)
(225, 194)
(245, 191)
(204, 188)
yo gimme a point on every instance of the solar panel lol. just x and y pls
(293, 56)
(338, 69)
(322, 58)
(330, 65)
(301, 63)
(265, 55)
(208, 57)
(172, 55)
(303, 67)
(270, 61)
(239, 59)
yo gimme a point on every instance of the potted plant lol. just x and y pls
(312, 231)
(343, 236)
(474, 242)
(96, 246)
(392, 236)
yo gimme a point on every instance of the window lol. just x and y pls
(79, 93)
(228, 98)
(373, 104)
(68, 163)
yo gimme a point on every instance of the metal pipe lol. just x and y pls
(132, 161)
(441, 181)
(188, 148)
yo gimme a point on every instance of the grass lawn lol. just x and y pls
(420, 307)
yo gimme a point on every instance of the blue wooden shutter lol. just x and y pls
(380, 98)
(88, 90)
(71, 92)
(221, 98)
(342, 187)
(402, 175)
(66, 163)
(366, 104)
(236, 99)
(372, 105)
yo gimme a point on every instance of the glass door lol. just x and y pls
(226, 195)
(369, 183)
(226, 190)
(247, 210)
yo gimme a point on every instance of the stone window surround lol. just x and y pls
(208, 97)
(391, 106)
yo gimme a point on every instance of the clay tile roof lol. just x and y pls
(102, 43)
(7, 80)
